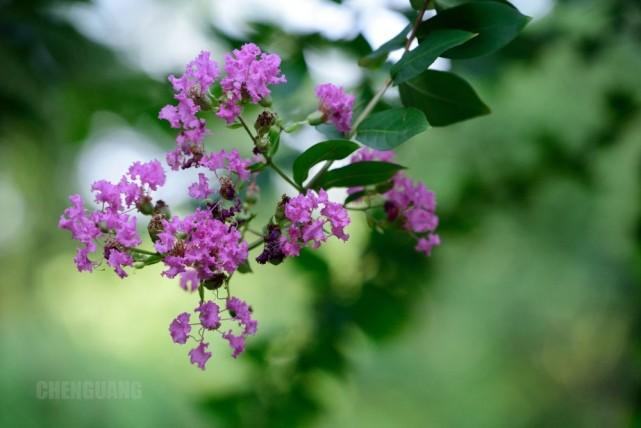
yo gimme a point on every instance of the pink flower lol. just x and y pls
(412, 203)
(309, 214)
(425, 245)
(208, 246)
(338, 218)
(150, 173)
(118, 259)
(108, 194)
(199, 75)
(228, 160)
(191, 89)
(179, 328)
(209, 315)
(237, 343)
(83, 229)
(367, 154)
(249, 74)
(241, 312)
(201, 189)
(199, 355)
(189, 280)
(336, 105)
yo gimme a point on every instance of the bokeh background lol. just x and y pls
(529, 314)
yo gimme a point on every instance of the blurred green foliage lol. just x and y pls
(528, 315)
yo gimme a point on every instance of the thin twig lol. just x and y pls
(242, 122)
(280, 172)
(255, 244)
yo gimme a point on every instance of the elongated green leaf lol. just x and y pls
(435, 43)
(496, 24)
(358, 174)
(378, 56)
(327, 150)
(389, 128)
(444, 97)
(380, 188)
(417, 4)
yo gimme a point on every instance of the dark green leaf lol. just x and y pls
(245, 267)
(389, 128)
(380, 188)
(417, 4)
(444, 97)
(358, 174)
(274, 140)
(355, 196)
(496, 24)
(257, 167)
(378, 56)
(435, 43)
(327, 150)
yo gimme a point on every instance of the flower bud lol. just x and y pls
(252, 193)
(162, 209)
(215, 282)
(316, 118)
(279, 215)
(264, 121)
(144, 205)
(155, 227)
(227, 190)
(391, 209)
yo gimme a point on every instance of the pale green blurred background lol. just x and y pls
(527, 315)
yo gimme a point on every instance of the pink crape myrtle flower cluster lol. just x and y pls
(406, 201)
(308, 227)
(206, 247)
(110, 225)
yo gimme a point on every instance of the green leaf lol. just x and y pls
(245, 267)
(257, 167)
(444, 97)
(378, 56)
(389, 128)
(417, 4)
(327, 150)
(380, 188)
(435, 43)
(274, 140)
(496, 24)
(355, 196)
(358, 174)
(201, 292)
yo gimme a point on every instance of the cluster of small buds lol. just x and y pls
(207, 246)
(411, 203)
(272, 251)
(211, 319)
